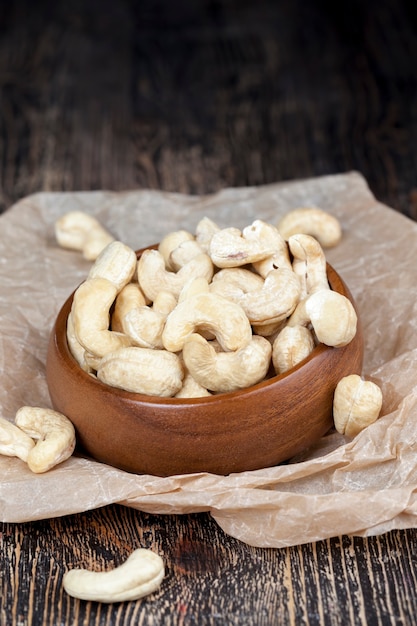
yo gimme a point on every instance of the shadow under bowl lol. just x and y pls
(249, 429)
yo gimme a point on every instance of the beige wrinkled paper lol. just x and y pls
(362, 487)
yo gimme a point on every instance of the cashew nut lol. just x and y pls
(140, 575)
(54, 435)
(154, 277)
(14, 441)
(77, 230)
(233, 282)
(204, 232)
(357, 403)
(226, 371)
(309, 263)
(331, 315)
(207, 311)
(276, 300)
(191, 388)
(144, 324)
(184, 253)
(311, 221)
(231, 247)
(280, 258)
(142, 370)
(170, 242)
(117, 263)
(90, 314)
(290, 347)
(130, 297)
(77, 350)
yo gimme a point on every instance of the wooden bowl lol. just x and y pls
(253, 428)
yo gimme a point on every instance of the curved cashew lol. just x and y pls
(144, 324)
(191, 388)
(331, 314)
(77, 350)
(276, 300)
(140, 575)
(226, 371)
(311, 221)
(233, 282)
(14, 441)
(79, 231)
(54, 435)
(192, 287)
(142, 370)
(90, 314)
(280, 259)
(204, 232)
(117, 263)
(170, 242)
(231, 247)
(153, 276)
(130, 297)
(291, 346)
(207, 311)
(357, 403)
(184, 253)
(309, 263)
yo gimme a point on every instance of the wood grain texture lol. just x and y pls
(192, 97)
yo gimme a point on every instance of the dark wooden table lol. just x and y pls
(193, 97)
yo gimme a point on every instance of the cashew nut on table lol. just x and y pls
(140, 575)
(211, 312)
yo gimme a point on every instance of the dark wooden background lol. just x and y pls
(192, 97)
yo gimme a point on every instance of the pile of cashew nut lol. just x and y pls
(210, 312)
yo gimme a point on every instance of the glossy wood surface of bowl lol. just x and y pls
(244, 430)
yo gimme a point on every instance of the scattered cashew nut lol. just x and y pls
(77, 230)
(357, 403)
(54, 435)
(140, 575)
(311, 221)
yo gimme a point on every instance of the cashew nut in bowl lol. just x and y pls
(170, 242)
(90, 314)
(142, 370)
(153, 277)
(54, 435)
(275, 301)
(140, 575)
(14, 441)
(77, 350)
(130, 297)
(331, 315)
(204, 232)
(77, 230)
(312, 221)
(309, 263)
(230, 247)
(233, 282)
(290, 347)
(184, 253)
(191, 388)
(226, 371)
(117, 263)
(357, 403)
(208, 312)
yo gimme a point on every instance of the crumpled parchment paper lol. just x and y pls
(363, 486)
